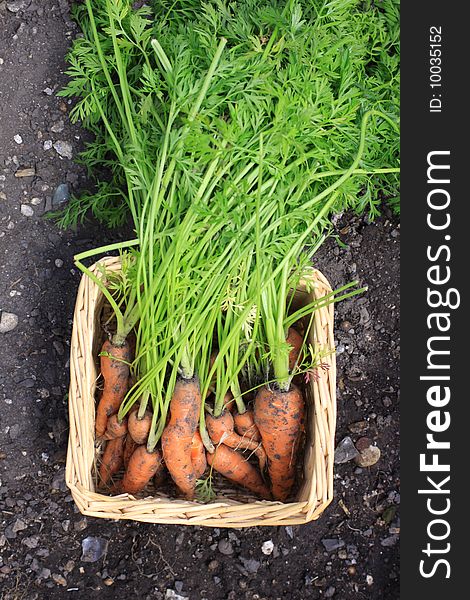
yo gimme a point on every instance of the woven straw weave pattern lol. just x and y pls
(229, 509)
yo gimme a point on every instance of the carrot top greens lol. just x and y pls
(230, 134)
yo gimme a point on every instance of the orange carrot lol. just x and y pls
(139, 428)
(234, 466)
(129, 447)
(279, 417)
(198, 455)
(115, 428)
(143, 465)
(245, 425)
(115, 373)
(221, 430)
(112, 460)
(295, 340)
(178, 435)
(229, 402)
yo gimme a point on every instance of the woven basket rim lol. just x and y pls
(316, 491)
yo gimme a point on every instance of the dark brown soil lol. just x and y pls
(42, 532)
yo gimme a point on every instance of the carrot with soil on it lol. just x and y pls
(221, 430)
(245, 425)
(177, 437)
(115, 371)
(279, 416)
(112, 460)
(198, 455)
(139, 427)
(143, 465)
(129, 447)
(115, 428)
(232, 465)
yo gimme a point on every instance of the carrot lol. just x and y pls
(234, 466)
(112, 460)
(115, 373)
(245, 425)
(295, 340)
(143, 465)
(198, 455)
(279, 417)
(139, 428)
(221, 430)
(115, 428)
(229, 402)
(129, 447)
(177, 437)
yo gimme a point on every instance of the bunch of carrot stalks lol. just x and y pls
(229, 204)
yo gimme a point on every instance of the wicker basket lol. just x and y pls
(231, 508)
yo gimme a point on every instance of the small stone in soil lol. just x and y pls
(93, 548)
(27, 210)
(19, 525)
(250, 564)
(16, 5)
(368, 457)
(358, 427)
(331, 545)
(225, 547)
(18, 139)
(47, 145)
(63, 149)
(61, 195)
(8, 321)
(345, 451)
(58, 127)
(330, 592)
(59, 579)
(389, 541)
(28, 172)
(267, 547)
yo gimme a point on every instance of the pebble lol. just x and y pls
(14, 431)
(213, 565)
(333, 544)
(387, 402)
(345, 451)
(358, 427)
(93, 548)
(19, 525)
(171, 594)
(16, 5)
(63, 149)
(36, 201)
(368, 456)
(59, 263)
(8, 321)
(330, 592)
(47, 145)
(58, 127)
(250, 564)
(225, 547)
(31, 542)
(61, 195)
(59, 579)
(27, 172)
(388, 542)
(290, 532)
(26, 210)
(267, 547)
(18, 139)
(48, 91)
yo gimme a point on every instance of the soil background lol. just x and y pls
(351, 552)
